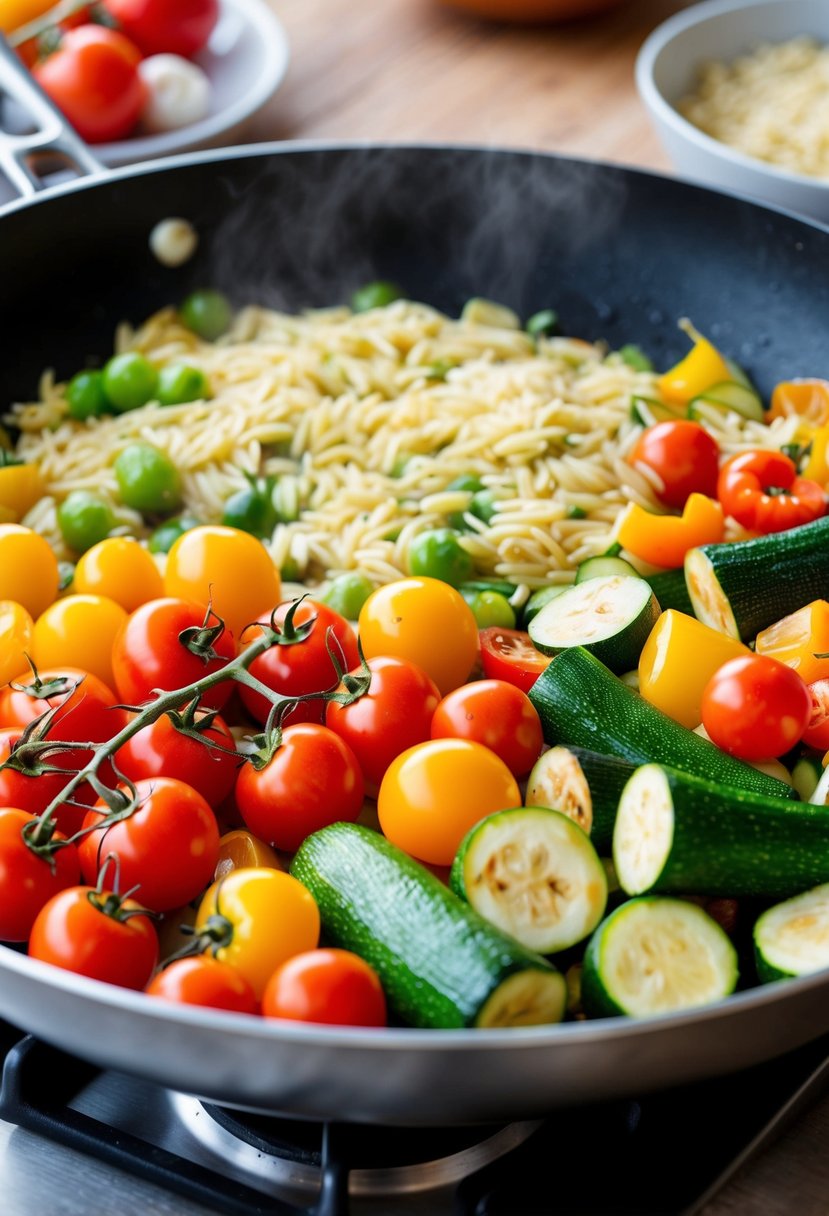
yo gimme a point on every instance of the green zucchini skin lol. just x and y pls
(580, 702)
(671, 591)
(770, 576)
(734, 843)
(439, 962)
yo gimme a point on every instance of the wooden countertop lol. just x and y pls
(413, 70)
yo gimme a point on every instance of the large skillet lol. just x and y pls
(621, 255)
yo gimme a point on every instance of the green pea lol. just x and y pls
(466, 481)
(85, 396)
(483, 505)
(537, 601)
(439, 554)
(129, 381)
(178, 383)
(84, 519)
(207, 313)
(147, 479)
(542, 324)
(166, 534)
(576, 512)
(636, 358)
(375, 295)
(347, 593)
(490, 609)
(251, 509)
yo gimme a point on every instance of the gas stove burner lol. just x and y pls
(382, 1160)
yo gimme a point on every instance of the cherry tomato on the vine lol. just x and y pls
(203, 980)
(756, 708)
(395, 714)
(509, 654)
(684, 457)
(87, 932)
(433, 793)
(160, 27)
(160, 750)
(88, 710)
(34, 793)
(494, 713)
(93, 78)
(334, 987)
(300, 666)
(27, 880)
(168, 848)
(312, 780)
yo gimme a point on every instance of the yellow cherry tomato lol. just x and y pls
(239, 850)
(435, 792)
(28, 569)
(20, 487)
(425, 621)
(121, 569)
(78, 631)
(16, 626)
(226, 567)
(14, 13)
(262, 917)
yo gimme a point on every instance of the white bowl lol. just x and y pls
(724, 29)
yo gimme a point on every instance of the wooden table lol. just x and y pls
(412, 70)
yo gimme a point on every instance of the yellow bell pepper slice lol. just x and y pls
(663, 540)
(16, 627)
(702, 368)
(677, 661)
(798, 639)
(20, 488)
(817, 466)
(808, 399)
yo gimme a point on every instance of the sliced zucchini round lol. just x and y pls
(709, 601)
(728, 397)
(528, 998)
(656, 955)
(644, 830)
(537, 601)
(557, 781)
(534, 874)
(604, 567)
(611, 617)
(792, 938)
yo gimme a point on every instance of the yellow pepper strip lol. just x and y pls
(16, 626)
(20, 487)
(663, 540)
(809, 399)
(702, 368)
(797, 639)
(677, 661)
(817, 466)
(240, 849)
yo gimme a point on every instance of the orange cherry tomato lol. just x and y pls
(121, 569)
(334, 987)
(228, 568)
(98, 935)
(79, 630)
(807, 398)
(204, 981)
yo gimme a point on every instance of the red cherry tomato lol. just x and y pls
(93, 78)
(508, 654)
(87, 708)
(395, 714)
(756, 708)
(762, 491)
(302, 666)
(160, 750)
(203, 980)
(180, 27)
(816, 733)
(494, 713)
(80, 930)
(27, 880)
(34, 793)
(683, 455)
(334, 987)
(168, 848)
(312, 780)
(148, 654)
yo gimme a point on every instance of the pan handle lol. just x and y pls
(52, 138)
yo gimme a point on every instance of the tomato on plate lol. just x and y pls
(756, 708)
(301, 664)
(684, 457)
(312, 780)
(509, 654)
(203, 980)
(334, 987)
(161, 26)
(393, 715)
(496, 714)
(93, 78)
(97, 934)
(160, 750)
(148, 653)
(27, 879)
(168, 848)
(816, 733)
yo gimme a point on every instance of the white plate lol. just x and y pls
(246, 60)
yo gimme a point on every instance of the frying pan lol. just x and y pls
(621, 255)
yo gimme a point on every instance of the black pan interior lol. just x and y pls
(621, 255)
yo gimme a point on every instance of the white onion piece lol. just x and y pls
(178, 93)
(173, 241)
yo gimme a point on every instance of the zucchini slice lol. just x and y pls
(557, 781)
(656, 956)
(792, 938)
(807, 773)
(583, 704)
(537, 601)
(604, 567)
(742, 587)
(440, 963)
(611, 617)
(678, 833)
(534, 874)
(729, 397)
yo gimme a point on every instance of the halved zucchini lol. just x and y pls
(655, 956)
(792, 938)
(610, 617)
(534, 874)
